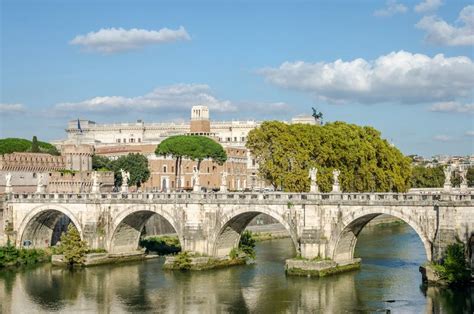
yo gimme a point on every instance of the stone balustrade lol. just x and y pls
(247, 197)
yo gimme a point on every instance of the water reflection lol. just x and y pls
(388, 280)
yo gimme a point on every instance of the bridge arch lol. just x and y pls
(128, 225)
(234, 222)
(39, 224)
(343, 244)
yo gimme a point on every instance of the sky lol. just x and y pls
(403, 67)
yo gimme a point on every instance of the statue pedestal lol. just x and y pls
(8, 189)
(463, 188)
(40, 189)
(95, 189)
(223, 189)
(124, 189)
(447, 187)
(196, 188)
(314, 188)
(335, 188)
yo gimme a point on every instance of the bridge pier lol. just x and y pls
(322, 226)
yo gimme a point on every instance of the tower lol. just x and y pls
(200, 123)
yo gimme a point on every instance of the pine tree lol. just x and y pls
(73, 248)
(34, 145)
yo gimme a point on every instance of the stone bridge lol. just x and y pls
(325, 225)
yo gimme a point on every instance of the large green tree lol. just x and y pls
(193, 147)
(285, 153)
(11, 145)
(423, 177)
(135, 164)
(101, 163)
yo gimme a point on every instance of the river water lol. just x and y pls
(388, 280)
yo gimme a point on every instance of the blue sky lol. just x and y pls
(404, 67)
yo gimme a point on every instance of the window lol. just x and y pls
(118, 140)
(207, 169)
(139, 140)
(125, 140)
(235, 139)
(164, 169)
(243, 138)
(172, 169)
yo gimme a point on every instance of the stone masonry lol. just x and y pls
(320, 225)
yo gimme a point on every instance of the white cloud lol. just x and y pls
(400, 77)
(452, 106)
(11, 108)
(428, 6)
(440, 32)
(111, 40)
(470, 133)
(392, 7)
(443, 138)
(178, 97)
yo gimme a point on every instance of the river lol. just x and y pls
(388, 280)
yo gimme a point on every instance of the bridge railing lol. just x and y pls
(250, 196)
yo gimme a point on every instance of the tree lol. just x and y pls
(136, 164)
(11, 145)
(470, 176)
(285, 153)
(101, 163)
(454, 267)
(194, 147)
(34, 145)
(422, 177)
(72, 247)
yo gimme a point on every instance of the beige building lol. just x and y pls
(69, 172)
(114, 140)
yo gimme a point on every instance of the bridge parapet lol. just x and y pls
(248, 197)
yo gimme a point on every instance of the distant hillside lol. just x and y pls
(11, 145)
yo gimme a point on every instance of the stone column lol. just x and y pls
(95, 183)
(314, 185)
(40, 187)
(196, 183)
(335, 185)
(223, 187)
(8, 183)
(463, 175)
(447, 179)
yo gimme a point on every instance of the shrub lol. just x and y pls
(182, 261)
(72, 247)
(453, 267)
(161, 245)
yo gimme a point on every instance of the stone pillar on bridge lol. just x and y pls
(223, 187)
(314, 185)
(447, 179)
(8, 183)
(463, 175)
(125, 178)
(335, 185)
(40, 187)
(196, 183)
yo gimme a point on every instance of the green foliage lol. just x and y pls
(101, 163)
(422, 177)
(136, 164)
(193, 147)
(470, 176)
(182, 261)
(11, 145)
(163, 245)
(454, 267)
(34, 145)
(285, 153)
(11, 256)
(247, 244)
(72, 247)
